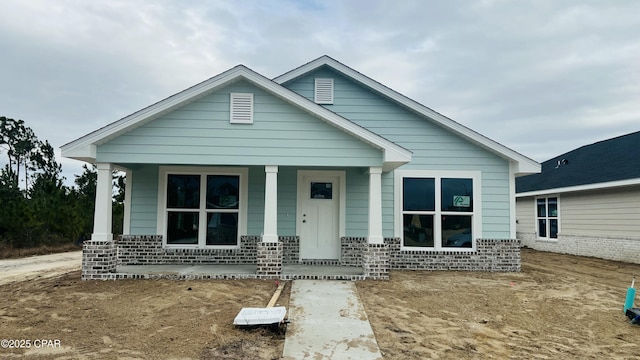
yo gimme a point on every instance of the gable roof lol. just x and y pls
(85, 148)
(524, 165)
(607, 163)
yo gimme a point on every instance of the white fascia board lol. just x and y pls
(596, 186)
(525, 165)
(85, 153)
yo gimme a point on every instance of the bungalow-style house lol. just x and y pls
(585, 202)
(320, 166)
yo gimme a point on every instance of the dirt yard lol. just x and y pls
(558, 307)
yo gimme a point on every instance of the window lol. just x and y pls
(241, 108)
(203, 208)
(323, 93)
(438, 209)
(547, 217)
(321, 190)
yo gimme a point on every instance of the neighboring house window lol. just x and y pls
(241, 108)
(439, 211)
(323, 93)
(204, 209)
(547, 217)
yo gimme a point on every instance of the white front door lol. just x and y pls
(318, 214)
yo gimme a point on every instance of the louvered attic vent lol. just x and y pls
(241, 108)
(323, 91)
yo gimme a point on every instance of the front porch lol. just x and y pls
(134, 257)
(144, 257)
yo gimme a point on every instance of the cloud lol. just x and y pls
(542, 77)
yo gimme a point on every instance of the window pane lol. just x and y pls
(553, 207)
(457, 195)
(183, 191)
(321, 190)
(553, 228)
(418, 230)
(456, 231)
(542, 228)
(542, 208)
(222, 191)
(222, 228)
(418, 194)
(182, 227)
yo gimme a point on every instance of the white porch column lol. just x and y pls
(270, 233)
(102, 214)
(375, 205)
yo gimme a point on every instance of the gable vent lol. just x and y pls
(323, 91)
(241, 108)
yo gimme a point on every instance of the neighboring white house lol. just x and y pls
(585, 202)
(321, 165)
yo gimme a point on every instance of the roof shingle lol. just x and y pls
(604, 161)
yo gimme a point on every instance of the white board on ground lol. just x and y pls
(260, 316)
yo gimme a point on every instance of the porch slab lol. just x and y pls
(230, 271)
(322, 272)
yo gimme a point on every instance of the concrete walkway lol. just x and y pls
(328, 322)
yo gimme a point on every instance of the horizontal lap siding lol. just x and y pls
(357, 203)
(200, 133)
(525, 215)
(144, 201)
(607, 213)
(287, 197)
(433, 147)
(255, 212)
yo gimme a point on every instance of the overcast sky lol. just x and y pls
(540, 77)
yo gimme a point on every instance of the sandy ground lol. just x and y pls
(39, 266)
(558, 307)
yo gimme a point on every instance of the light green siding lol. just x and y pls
(357, 202)
(200, 133)
(433, 147)
(255, 213)
(144, 200)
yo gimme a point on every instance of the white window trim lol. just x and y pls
(328, 100)
(548, 238)
(165, 171)
(476, 220)
(246, 115)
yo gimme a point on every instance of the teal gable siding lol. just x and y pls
(433, 147)
(200, 133)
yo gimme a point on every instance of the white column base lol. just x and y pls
(375, 240)
(270, 238)
(101, 237)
